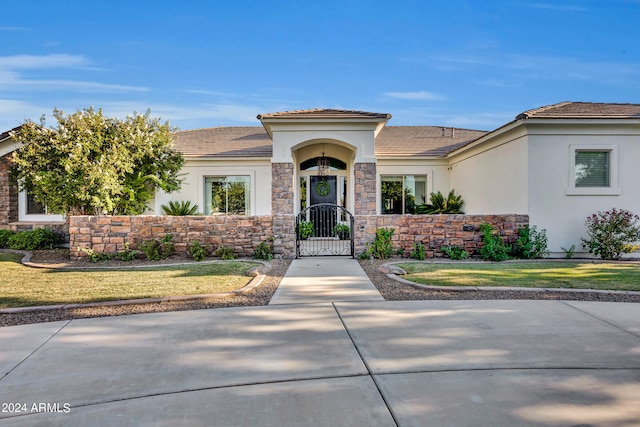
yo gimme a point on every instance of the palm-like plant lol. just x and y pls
(180, 208)
(439, 204)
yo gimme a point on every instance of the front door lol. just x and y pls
(323, 189)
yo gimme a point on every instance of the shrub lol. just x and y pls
(180, 208)
(381, 248)
(452, 204)
(568, 253)
(225, 253)
(494, 249)
(156, 250)
(455, 252)
(612, 233)
(126, 254)
(263, 251)
(418, 251)
(531, 243)
(39, 238)
(95, 256)
(198, 251)
(5, 235)
(306, 230)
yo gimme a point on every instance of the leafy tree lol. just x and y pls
(90, 164)
(439, 204)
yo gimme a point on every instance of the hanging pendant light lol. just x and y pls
(323, 164)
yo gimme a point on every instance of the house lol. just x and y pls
(555, 165)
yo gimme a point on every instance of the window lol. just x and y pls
(401, 193)
(35, 208)
(593, 170)
(227, 195)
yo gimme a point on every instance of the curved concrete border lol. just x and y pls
(257, 272)
(392, 271)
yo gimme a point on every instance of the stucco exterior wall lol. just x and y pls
(563, 215)
(493, 178)
(196, 171)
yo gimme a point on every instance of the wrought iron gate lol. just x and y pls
(324, 229)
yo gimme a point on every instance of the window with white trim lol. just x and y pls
(593, 170)
(227, 195)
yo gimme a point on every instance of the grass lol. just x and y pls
(21, 286)
(544, 274)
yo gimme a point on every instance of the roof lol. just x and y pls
(583, 110)
(253, 141)
(423, 140)
(5, 135)
(324, 113)
(247, 141)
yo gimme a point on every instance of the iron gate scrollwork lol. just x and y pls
(324, 229)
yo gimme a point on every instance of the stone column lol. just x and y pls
(8, 194)
(282, 209)
(364, 204)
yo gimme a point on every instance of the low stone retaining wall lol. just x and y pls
(108, 234)
(435, 231)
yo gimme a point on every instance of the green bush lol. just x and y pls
(263, 251)
(455, 252)
(126, 254)
(156, 250)
(225, 253)
(494, 248)
(612, 233)
(531, 243)
(5, 235)
(180, 208)
(198, 251)
(381, 248)
(452, 204)
(418, 251)
(39, 238)
(306, 230)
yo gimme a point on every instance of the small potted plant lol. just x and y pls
(342, 231)
(305, 230)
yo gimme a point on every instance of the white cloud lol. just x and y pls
(558, 7)
(414, 96)
(22, 62)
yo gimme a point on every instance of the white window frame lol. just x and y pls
(23, 216)
(614, 186)
(219, 174)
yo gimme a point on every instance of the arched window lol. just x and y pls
(312, 164)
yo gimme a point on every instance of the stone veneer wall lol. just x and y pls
(108, 234)
(8, 194)
(435, 231)
(282, 203)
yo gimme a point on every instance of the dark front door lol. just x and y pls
(323, 189)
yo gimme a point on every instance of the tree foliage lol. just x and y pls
(90, 164)
(439, 204)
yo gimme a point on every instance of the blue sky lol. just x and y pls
(464, 63)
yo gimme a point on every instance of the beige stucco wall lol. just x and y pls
(550, 150)
(492, 177)
(196, 170)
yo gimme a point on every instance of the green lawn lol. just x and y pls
(541, 274)
(22, 286)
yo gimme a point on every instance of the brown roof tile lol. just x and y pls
(423, 140)
(324, 113)
(583, 110)
(246, 141)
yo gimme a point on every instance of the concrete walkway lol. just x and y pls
(344, 363)
(325, 279)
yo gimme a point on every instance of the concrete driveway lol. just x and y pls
(372, 363)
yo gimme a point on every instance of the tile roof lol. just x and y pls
(246, 141)
(324, 113)
(583, 110)
(253, 141)
(423, 140)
